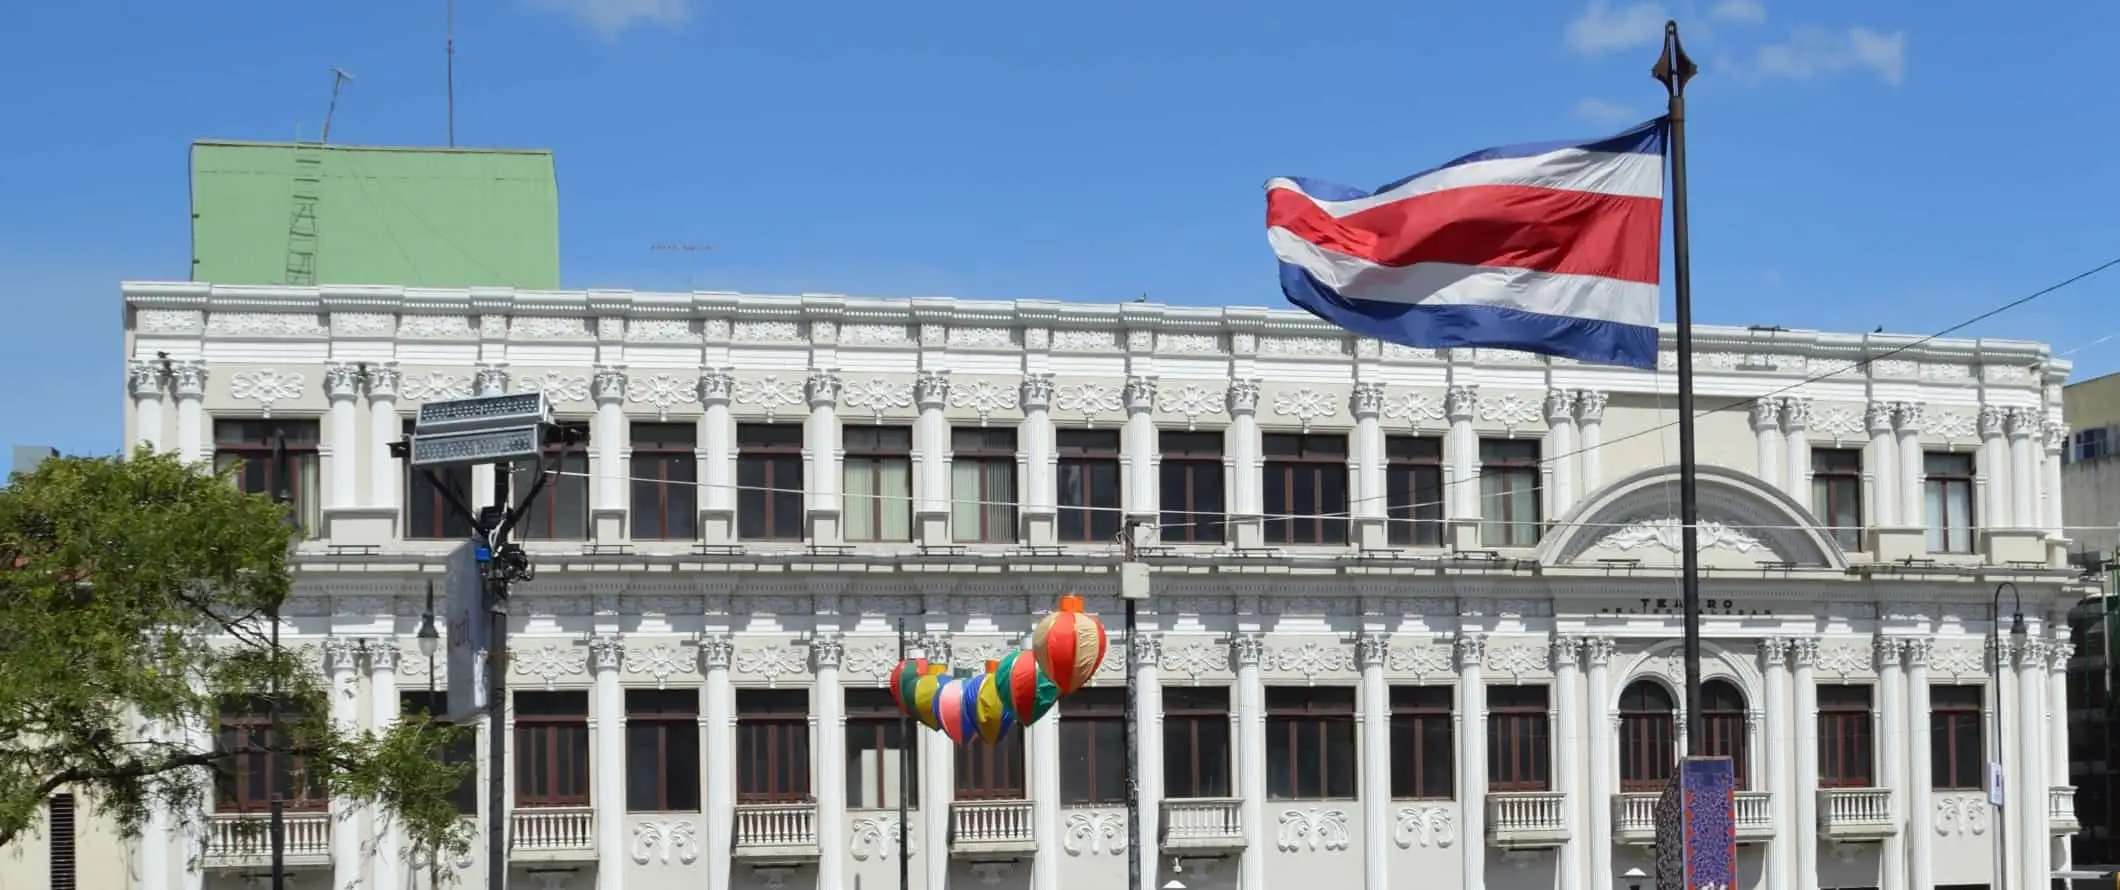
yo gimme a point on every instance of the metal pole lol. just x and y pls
(1133, 742)
(1998, 657)
(497, 821)
(905, 781)
(1673, 70)
(276, 757)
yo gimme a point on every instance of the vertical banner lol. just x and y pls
(1696, 827)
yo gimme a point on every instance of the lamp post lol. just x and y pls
(276, 756)
(430, 639)
(1995, 783)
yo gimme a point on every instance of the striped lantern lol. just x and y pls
(1070, 644)
(904, 676)
(992, 715)
(1026, 693)
(927, 692)
(953, 712)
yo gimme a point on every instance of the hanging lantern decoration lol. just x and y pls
(904, 676)
(1026, 693)
(953, 714)
(991, 711)
(927, 692)
(1070, 644)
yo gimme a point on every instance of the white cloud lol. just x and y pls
(1811, 52)
(612, 18)
(1602, 29)
(1742, 12)
(1603, 113)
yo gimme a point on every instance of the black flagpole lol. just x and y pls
(1673, 70)
(905, 779)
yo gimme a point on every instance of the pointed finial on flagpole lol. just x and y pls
(1674, 68)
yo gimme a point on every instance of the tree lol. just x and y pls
(140, 592)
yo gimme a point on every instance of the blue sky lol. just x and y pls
(1897, 163)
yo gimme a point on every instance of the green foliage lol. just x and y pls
(139, 594)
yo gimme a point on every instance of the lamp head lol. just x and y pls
(2017, 629)
(430, 637)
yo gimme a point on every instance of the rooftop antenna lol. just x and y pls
(339, 78)
(449, 66)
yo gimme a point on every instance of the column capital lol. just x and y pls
(1795, 413)
(383, 380)
(1370, 649)
(1766, 415)
(342, 380)
(1803, 652)
(931, 389)
(1243, 397)
(823, 387)
(1918, 652)
(1471, 650)
(608, 384)
(341, 655)
(1140, 394)
(1567, 651)
(1461, 401)
(827, 648)
(383, 654)
(2024, 422)
(1878, 418)
(1890, 651)
(2058, 653)
(1590, 405)
(1247, 649)
(715, 652)
(607, 653)
(1774, 652)
(1037, 394)
(2056, 438)
(1992, 419)
(716, 385)
(188, 379)
(1366, 399)
(2031, 655)
(1560, 406)
(491, 379)
(1146, 648)
(145, 378)
(935, 647)
(1909, 416)
(1598, 651)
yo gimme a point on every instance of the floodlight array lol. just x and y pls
(484, 413)
(469, 447)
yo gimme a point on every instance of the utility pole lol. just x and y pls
(905, 777)
(339, 78)
(276, 753)
(497, 578)
(1133, 588)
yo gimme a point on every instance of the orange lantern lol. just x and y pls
(1070, 645)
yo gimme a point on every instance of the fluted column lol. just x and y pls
(1921, 867)
(384, 429)
(1375, 772)
(938, 790)
(1892, 753)
(829, 703)
(1766, 440)
(931, 458)
(382, 715)
(1908, 418)
(1804, 655)
(2002, 655)
(488, 380)
(1568, 715)
(1796, 451)
(607, 442)
(1560, 451)
(188, 383)
(1246, 651)
(1141, 453)
(159, 834)
(822, 437)
(1472, 758)
(1367, 501)
(607, 727)
(2057, 759)
(1461, 452)
(1148, 748)
(2024, 426)
(718, 725)
(1039, 463)
(196, 735)
(341, 657)
(146, 381)
(1245, 462)
(1590, 428)
(2056, 439)
(1603, 765)
(2029, 776)
(1881, 467)
(717, 457)
(1775, 777)
(1994, 466)
(342, 386)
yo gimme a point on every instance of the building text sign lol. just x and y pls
(1674, 607)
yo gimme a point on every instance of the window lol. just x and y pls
(249, 446)
(1947, 497)
(61, 843)
(879, 483)
(1413, 490)
(1509, 493)
(2090, 444)
(428, 513)
(1196, 742)
(983, 485)
(552, 749)
(247, 781)
(878, 739)
(1191, 477)
(662, 750)
(665, 481)
(1305, 487)
(1836, 493)
(463, 751)
(1957, 761)
(1093, 746)
(1519, 746)
(1845, 750)
(772, 745)
(991, 772)
(769, 481)
(1309, 742)
(1722, 717)
(1648, 736)
(1088, 483)
(561, 511)
(1423, 757)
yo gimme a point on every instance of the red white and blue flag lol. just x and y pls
(1552, 248)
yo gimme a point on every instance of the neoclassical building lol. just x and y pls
(1414, 614)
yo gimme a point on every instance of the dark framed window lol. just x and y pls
(1519, 739)
(983, 485)
(552, 749)
(1305, 488)
(561, 511)
(1413, 490)
(878, 477)
(255, 771)
(1836, 493)
(1947, 500)
(1847, 750)
(1648, 736)
(428, 514)
(1957, 743)
(1088, 484)
(1093, 746)
(992, 772)
(1195, 509)
(665, 481)
(1423, 751)
(662, 750)
(878, 739)
(772, 745)
(1722, 717)
(769, 481)
(248, 446)
(1196, 749)
(1509, 493)
(462, 751)
(1310, 751)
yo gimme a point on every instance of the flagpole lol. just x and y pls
(1673, 70)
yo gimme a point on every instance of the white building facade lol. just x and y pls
(1414, 615)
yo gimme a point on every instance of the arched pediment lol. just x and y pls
(1743, 523)
(1660, 663)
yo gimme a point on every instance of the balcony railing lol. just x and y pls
(1203, 824)
(1755, 816)
(245, 839)
(1634, 816)
(2061, 810)
(1855, 814)
(1527, 819)
(781, 832)
(986, 827)
(554, 833)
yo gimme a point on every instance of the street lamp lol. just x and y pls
(1177, 867)
(2018, 634)
(1635, 877)
(430, 637)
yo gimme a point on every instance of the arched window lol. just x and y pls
(1722, 717)
(1648, 736)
